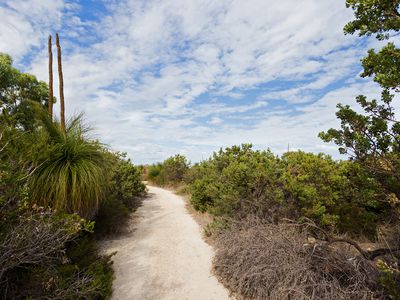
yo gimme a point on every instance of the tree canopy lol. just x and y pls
(16, 88)
(374, 17)
(372, 138)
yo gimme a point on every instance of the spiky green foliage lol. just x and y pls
(71, 175)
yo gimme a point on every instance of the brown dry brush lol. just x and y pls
(260, 260)
(78, 285)
(38, 238)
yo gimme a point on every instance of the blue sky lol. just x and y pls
(155, 78)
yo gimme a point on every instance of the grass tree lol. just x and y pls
(71, 175)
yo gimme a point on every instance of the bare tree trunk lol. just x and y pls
(50, 103)
(60, 75)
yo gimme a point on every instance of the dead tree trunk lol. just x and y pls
(50, 102)
(60, 75)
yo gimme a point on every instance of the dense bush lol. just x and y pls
(170, 172)
(153, 172)
(123, 195)
(336, 194)
(239, 181)
(49, 180)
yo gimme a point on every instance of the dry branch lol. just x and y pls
(260, 260)
(37, 238)
(329, 239)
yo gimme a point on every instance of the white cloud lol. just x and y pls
(26, 24)
(158, 77)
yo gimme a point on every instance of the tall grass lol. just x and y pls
(71, 175)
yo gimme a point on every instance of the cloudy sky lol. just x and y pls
(159, 77)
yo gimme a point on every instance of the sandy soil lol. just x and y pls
(163, 255)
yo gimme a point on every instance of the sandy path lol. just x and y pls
(163, 256)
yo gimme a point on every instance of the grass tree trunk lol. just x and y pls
(50, 103)
(61, 81)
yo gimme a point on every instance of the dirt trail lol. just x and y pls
(163, 256)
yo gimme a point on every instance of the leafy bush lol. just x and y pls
(123, 195)
(171, 172)
(313, 184)
(154, 172)
(174, 169)
(237, 181)
(335, 194)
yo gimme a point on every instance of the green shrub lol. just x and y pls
(170, 172)
(237, 181)
(204, 191)
(154, 172)
(335, 194)
(122, 197)
(314, 184)
(174, 169)
(125, 184)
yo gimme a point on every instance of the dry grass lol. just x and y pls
(259, 260)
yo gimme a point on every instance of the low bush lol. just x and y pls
(122, 197)
(335, 194)
(170, 172)
(239, 181)
(154, 172)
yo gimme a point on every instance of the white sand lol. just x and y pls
(163, 256)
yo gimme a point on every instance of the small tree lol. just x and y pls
(373, 138)
(174, 168)
(16, 88)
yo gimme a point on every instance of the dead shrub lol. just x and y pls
(39, 236)
(43, 255)
(260, 260)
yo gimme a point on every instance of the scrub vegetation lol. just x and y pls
(303, 225)
(292, 226)
(58, 190)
